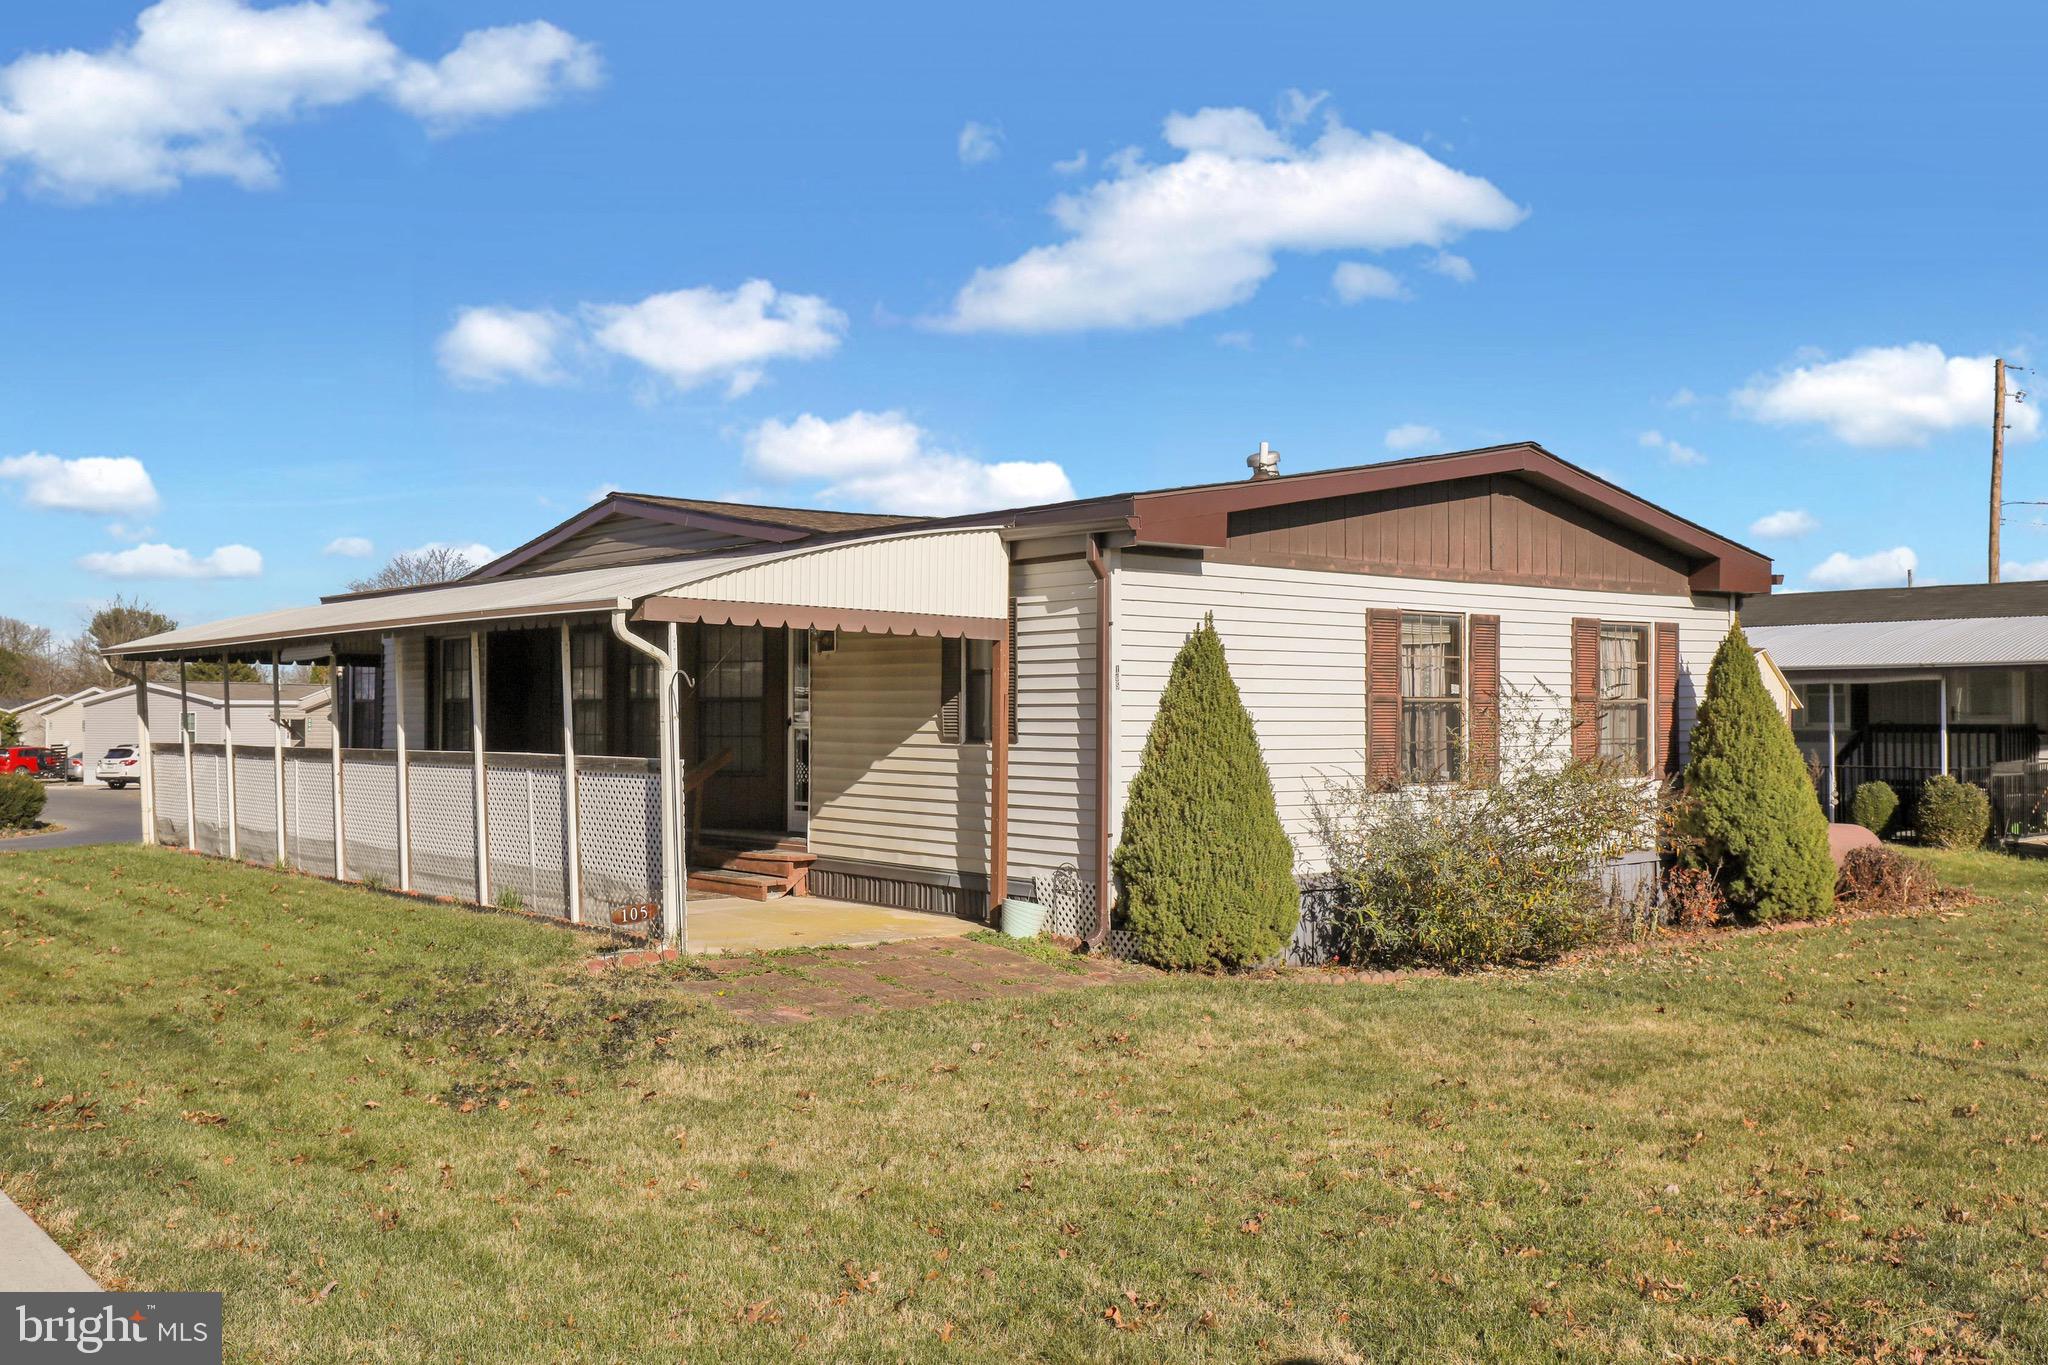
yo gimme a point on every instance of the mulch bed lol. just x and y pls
(844, 983)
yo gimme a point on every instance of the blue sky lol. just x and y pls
(327, 282)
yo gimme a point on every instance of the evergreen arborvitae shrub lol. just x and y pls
(1873, 807)
(1207, 872)
(1952, 814)
(1751, 807)
(21, 800)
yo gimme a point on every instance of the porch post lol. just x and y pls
(678, 804)
(999, 778)
(337, 708)
(572, 818)
(397, 686)
(476, 750)
(185, 739)
(277, 746)
(1944, 725)
(1832, 788)
(227, 744)
(148, 755)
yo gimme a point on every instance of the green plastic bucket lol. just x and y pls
(1023, 919)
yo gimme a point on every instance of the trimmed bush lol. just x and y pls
(1207, 872)
(1952, 814)
(21, 800)
(1874, 806)
(1752, 815)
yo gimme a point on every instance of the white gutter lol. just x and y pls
(675, 873)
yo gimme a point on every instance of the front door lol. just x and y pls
(742, 703)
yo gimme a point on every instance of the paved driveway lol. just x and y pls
(90, 815)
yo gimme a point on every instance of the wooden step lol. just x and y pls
(750, 839)
(750, 886)
(774, 862)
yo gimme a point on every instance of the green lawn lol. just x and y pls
(397, 1131)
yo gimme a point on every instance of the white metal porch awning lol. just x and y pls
(952, 582)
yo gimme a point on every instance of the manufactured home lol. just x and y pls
(930, 714)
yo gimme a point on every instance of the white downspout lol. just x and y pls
(674, 875)
(227, 745)
(572, 818)
(403, 765)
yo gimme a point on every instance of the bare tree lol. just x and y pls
(417, 568)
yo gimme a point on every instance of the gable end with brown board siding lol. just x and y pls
(1489, 529)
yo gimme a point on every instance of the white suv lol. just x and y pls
(121, 766)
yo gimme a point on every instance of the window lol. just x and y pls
(452, 689)
(1811, 719)
(364, 720)
(1985, 695)
(586, 689)
(1624, 721)
(730, 709)
(966, 696)
(1432, 697)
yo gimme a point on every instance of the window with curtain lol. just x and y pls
(1625, 695)
(586, 689)
(730, 706)
(1432, 697)
(452, 689)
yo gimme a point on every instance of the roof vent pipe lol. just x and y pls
(1265, 462)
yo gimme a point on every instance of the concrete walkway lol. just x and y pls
(30, 1263)
(728, 924)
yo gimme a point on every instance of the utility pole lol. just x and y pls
(1997, 459)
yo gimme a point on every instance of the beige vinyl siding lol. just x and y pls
(1296, 642)
(627, 539)
(1052, 764)
(883, 788)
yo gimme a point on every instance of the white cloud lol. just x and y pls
(93, 484)
(979, 143)
(496, 71)
(1413, 436)
(1355, 282)
(1785, 525)
(1883, 569)
(487, 346)
(694, 336)
(2016, 569)
(350, 547)
(1152, 245)
(1072, 165)
(168, 561)
(1677, 452)
(1452, 266)
(1238, 341)
(1683, 398)
(882, 460)
(1294, 106)
(1884, 396)
(188, 94)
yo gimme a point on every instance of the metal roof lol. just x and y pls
(1905, 644)
(1943, 602)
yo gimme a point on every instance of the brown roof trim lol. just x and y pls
(1198, 517)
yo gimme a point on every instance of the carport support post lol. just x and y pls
(476, 750)
(148, 754)
(404, 771)
(335, 710)
(185, 739)
(572, 818)
(227, 747)
(1832, 789)
(277, 745)
(999, 778)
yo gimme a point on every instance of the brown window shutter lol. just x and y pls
(1667, 697)
(1383, 697)
(1013, 670)
(1484, 632)
(1585, 687)
(949, 691)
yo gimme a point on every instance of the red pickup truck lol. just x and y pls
(35, 762)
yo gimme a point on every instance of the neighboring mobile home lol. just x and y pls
(1899, 684)
(912, 712)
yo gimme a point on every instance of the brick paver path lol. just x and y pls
(793, 988)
